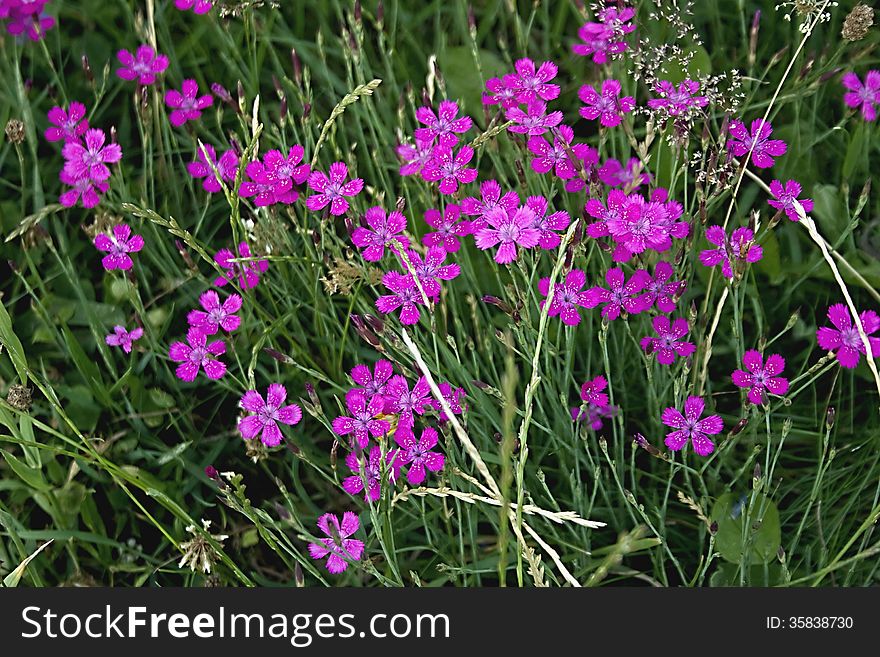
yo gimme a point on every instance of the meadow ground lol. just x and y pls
(712, 422)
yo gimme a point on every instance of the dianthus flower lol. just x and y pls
(118, 244)
(196, 355)
(499, 93)
(443, 125)
(669, 343)
(608, 106)
(273, 179)
(415, 156)
(662, 290)
(216, 315)
(248, 273)
(431, 269)
(595, 406)
(26, 17)
(407, 403)
(364, 419)
(604, 39)
(763, 148)
(530, 84)
(418, 454)
(90, 158)
(186, 104)
(844, 339)
(490, 197)
(339, 546)
(144, 65)
(453, 397)
(450, 169)
(547, 224)
(122, 338)
(741, 248)
(68, 125)
(556, 157)
(759, 377)
(373, 383)
(677, 101)
(508, 229)
(621, 295)
(267, 414)
(534, 120)
(81, 188)
(384, 229)
(613, 174)
(689, 426)
(786, 196)
(448, 228)
(333, 189)
(369, 467)
(865, 96)
(198, 6)
(227, 167)
(405, 295)
(568, 297)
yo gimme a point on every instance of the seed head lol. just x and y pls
(857, 23)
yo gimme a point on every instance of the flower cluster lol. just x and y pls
(213, 171)
(605, 39)
(594, 407)
(26, 17)
(275, 178)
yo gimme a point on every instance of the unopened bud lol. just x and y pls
(829, 418)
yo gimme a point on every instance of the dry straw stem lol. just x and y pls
(474, 454)
(349, 99)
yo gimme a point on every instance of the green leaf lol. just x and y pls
(762, 538)
(854, 150)
(462, 81)
(87, 368)
(31, 476)
(10, 341)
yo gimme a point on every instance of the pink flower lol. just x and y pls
(196, 355)
(605, 38)
(498, 93)
(288, 168)
(417, 454)
(547, 224)
(608, 106)
(591, 391)
(450, 169)
(227, 167)
(198, 6)
(617, 203)
(185, 104)
(363, 421)
(491, 197)
(448, 228)
(122, 338)
(142, 66)
(81, 188)
(595, 406)
(415, 157)
(69, 125)
(216, 315)
(248, 273)
(668, 342)
(763, 148)
(786, 196)
(741, 248)
(866, 96)
(568, 297)
(404, 295)
(332, 190)
(443, 125)
(690, 427)
(407, 403)
(373, 384)
(383, 231)
(267, 414)
(760, 377)
(431, 270)
(453, 397)
(370, 468)
(844, 339)
(556, 157)
(662, 290)
(338, 546)
(640, 226)
(26, 17)
(529, 84)
(613, 174)
(508, 229)
(118, 244)
(678, 101)
(90, 159)
(534, 120)
(621, 295)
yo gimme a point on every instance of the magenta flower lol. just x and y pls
(758, 377)
(118, 244)
(534, 120)
(491, 197)
(499, 93)
(383, 231)
(547, 224)
(90, 159)
(198, 6)
(669, 343)
(363, 421)
(866, 96)
(595, 406)
(677, 101)
(248, 273)
(198, 354)
(611, 211)
(373, 384)
(529, 84)
(844, 339)
(690, 427)
(81, 188)
(568, 297)
(453, 397)
(613, 174)
(267, 414)
(450, 169)
(508, 229)
(591, 391)
(448, 227)
(338, 546)
(640, 226)
(227, 167)
(370, 468)
(332, 189)
(216, 315)
(26, 17)
(407, 403)
(740, 248)
(122, 338)
(662, 290)
(264, 187)
(142, 66)
(405, 295)
(186, 104)
(415, 157)
(604, 39)
(763, 148)
(69, 125)
(443, 125)
(555, 157)
(608, 106)
(786, 196)
(621, 295)
(431, 270)
(417, 454)
(288, 167)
